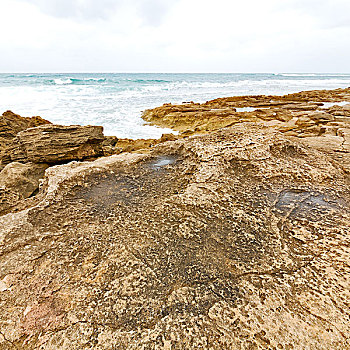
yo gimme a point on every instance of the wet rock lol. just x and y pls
(233, 240)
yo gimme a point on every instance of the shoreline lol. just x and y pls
(233, 234)
(115, 101)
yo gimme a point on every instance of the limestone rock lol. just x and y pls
(22, 178)
(55, 144)
(296, 115)
(343, 111)
(321, 117)
(8, 199)
(11, 124)
(234, 240)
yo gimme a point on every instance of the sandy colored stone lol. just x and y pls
(234, 240)
(11, 124)
(22, 177)
(296, 115)
(56, 143)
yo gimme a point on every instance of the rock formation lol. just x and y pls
(11, 124)
(19, 181)
(55, 144)
(302, 115)
(233, 235)
(234, 240)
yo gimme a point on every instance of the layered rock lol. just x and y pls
(55, 144)
(11, 124)
(233, 240)
(301, 115)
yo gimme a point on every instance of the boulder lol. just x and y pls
(17, 182)
(22, 178)
(55, 144)
(10, 125)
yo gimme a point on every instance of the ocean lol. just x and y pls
(116, 100)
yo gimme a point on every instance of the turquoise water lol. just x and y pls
(117, 100)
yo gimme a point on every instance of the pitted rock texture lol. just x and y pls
(55, 144)
(313, 116)
(234, 240)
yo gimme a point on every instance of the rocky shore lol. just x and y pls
(232, 235)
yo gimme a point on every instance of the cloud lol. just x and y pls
(150, 12)
(86, 9)
(329, 13)
(175, 35)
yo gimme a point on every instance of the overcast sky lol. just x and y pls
(175, 36)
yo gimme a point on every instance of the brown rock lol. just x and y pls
(22, 178)
(11, 124)
(343, 111)
(192, 118)
(55, 144)
(8, 200)
(320, 117)
(233, 240)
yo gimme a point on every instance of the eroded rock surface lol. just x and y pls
(234, 240)
(321, 118)
(55, 144)
(11, 124)
(22, 180)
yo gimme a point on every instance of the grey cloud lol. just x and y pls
(151, 12)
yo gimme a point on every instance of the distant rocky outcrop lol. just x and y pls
(300, 115)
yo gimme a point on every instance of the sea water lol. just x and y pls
(116, 100)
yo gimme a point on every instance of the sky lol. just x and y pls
(175, 36)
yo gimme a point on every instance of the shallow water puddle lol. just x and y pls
(162, 161)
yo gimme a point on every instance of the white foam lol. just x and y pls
(331, 104)
(118, 106)
(312, 75)
(60, 81)
(245, 109)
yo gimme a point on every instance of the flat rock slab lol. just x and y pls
(234, 240)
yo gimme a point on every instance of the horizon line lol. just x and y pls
(136, 72)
